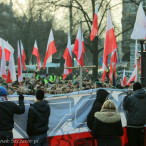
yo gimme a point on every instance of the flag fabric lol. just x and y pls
(139, 31)
(36, 53)
(19, 66)
(78, 47)
(94, 29)
(123, 83)
(110, 44)
(71, 122)
(51, 49)
(136, 53)
(68, 58)
(11, 75)
(133, 76)
(23, 56)
(3, 64)
(7, 49)
(113, 65)
(83, 43)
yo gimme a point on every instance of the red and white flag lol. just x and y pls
(11, 76)
(78, 49)
(113, 64)
(7, 48)
(94, 29)
(68, 58)
(123, 83)
(110, 44)
(19, 66)
(133, 76)
(3, 64)
(36, 53)
(23, 56)
(51, 49)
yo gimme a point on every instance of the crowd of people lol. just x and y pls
(52, 84)
(103, 120)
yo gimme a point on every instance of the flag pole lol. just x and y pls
(137, 68)
(81, 78)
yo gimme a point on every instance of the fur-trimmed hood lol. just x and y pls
(108, 116)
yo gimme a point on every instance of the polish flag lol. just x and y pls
(68, 58)
(78, 47)
(36, 53)
(51, 49)
(133, 76)
(23, 56)
(19, 65)
(136, 53)
(3, 64)
(94, 29)
(113, 64)
(110, 44)
(11, 76)
(124, 79)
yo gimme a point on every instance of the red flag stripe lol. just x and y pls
(36, 53)
(50, 51)
(9, 79)
(94, 30)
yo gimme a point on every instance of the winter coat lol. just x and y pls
(100, 99)
(38, 118)
(107, 128)
(7, 111)
(135, 105)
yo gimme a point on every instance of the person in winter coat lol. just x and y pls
(135, 105)
(101, 96)
(7, 111)
(38, 120)
(107, 127)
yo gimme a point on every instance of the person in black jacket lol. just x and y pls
(38, 120)
(7, 111)
(101, 96)
(107, 127)
(135, 105)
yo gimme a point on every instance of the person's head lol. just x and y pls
(10, 91)
(101, 95)
(5, 85)
(109, 105)
(136, 86)
(3, 91)
(39, 94)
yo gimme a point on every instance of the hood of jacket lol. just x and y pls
(140, 93)
(108, 116)
(41, 106)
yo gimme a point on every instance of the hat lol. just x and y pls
(3, 91)
(75, 82)
(98, 82)
(5, 85)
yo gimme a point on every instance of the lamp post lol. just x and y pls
(142, 64)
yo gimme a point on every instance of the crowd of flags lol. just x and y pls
(110, 48)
